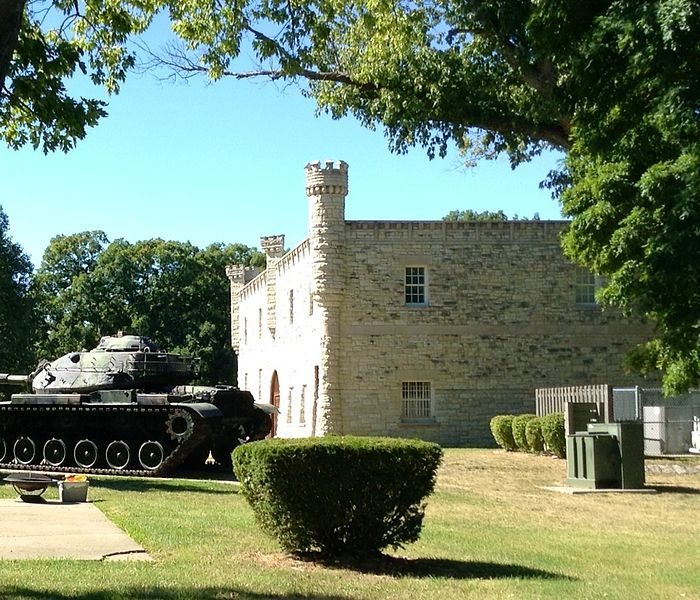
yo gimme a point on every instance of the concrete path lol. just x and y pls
(62, 530)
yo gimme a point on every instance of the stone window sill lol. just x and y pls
(429, 422)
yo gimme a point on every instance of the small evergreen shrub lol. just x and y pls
(533, 435)
(518, 426)
(338, 495)
(553, 433)
(502, 431)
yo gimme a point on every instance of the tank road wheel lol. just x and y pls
(85, 453)
(151, 455)
(55, 452)
(3, 449)
(25, 450)
(118, 454)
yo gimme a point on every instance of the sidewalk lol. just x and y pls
(53, 529)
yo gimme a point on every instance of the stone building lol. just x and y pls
(419, 329)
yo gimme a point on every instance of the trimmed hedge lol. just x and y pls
(502, 431)
(553, 433)
(338, 495)
(533, 435)
(518, 426)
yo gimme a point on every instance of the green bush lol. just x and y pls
(533, 435)
(518, 427)
(338, 495)
(553, 433)
(502, 431)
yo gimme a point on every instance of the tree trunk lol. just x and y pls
(11, 12)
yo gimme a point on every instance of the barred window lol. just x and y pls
(585, 286)
(415, 286)
(416, 400)
(289, 405)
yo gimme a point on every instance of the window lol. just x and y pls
(302, 405)
(289, 405)
(259, 323)
(415, 286)
(585, 287)
(245, 330)
(259, 383)
(311, 303)
(291, 307)
(416, 400)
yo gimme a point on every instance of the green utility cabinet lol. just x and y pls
(630, 440)
(592, 461)
(606, 456)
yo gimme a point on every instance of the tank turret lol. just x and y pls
(118, 362)
(123, 407)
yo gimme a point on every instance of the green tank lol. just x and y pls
(124, 407)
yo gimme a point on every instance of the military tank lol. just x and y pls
(124, 407)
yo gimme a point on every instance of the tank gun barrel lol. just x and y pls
(9, 379)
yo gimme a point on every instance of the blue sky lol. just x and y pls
(224, 162)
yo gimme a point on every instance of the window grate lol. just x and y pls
(417, 399)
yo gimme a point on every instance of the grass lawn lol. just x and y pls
(490, 532)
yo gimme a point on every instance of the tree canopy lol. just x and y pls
(16, 304)
(613, 83)
(172, 292)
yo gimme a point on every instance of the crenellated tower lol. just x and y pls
(326, 188)
(273, 247)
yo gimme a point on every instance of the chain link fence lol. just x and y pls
(671, 424)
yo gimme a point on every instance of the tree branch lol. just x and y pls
(11, 12)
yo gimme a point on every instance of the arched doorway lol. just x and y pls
(275, 401)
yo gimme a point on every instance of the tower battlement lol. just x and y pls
(327, 178)
(272, 245)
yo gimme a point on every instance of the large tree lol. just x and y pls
(612, 83)
(172, 292)
(17, 317)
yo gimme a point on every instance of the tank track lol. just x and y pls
(85, 413)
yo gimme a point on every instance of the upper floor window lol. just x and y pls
(291, 307)
(417, 400)
(416, 290)
(585, 287)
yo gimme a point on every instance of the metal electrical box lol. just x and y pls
(604, 455)
(592, 461)
(630, 440)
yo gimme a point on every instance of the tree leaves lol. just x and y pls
(170, 291)
(16, 304)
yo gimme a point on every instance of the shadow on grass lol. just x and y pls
(433, 567)
(160, 485)
(155, 593)
(674, 489)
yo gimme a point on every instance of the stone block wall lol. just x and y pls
(501, 320)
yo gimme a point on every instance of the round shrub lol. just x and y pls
(553, 433)
(533, 435)
(518, 426)
(338, 495)
(502, 431)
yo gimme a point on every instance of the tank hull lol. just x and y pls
(122, 432)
